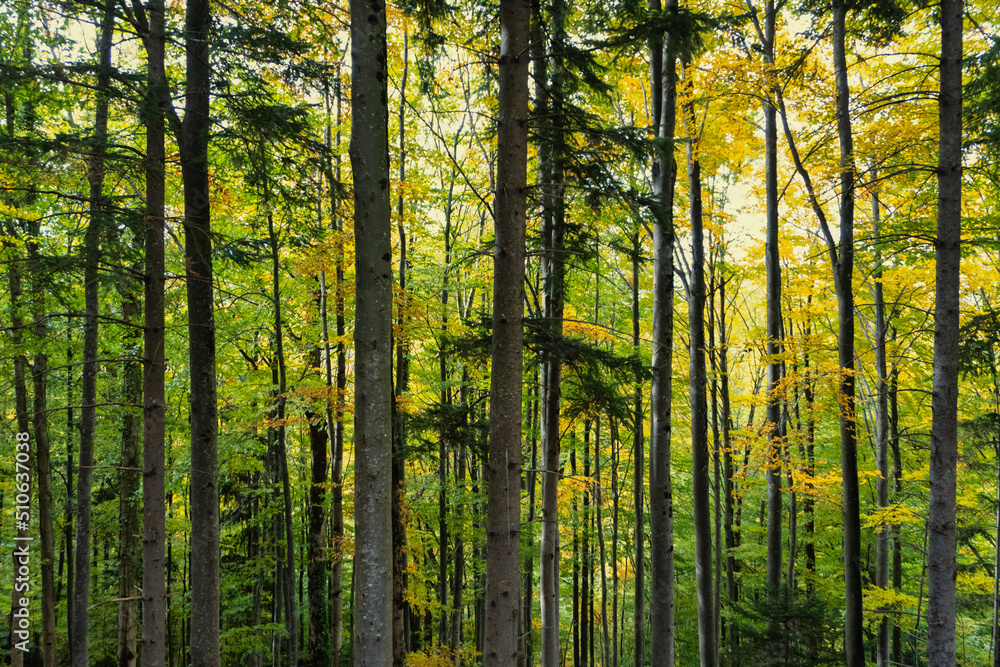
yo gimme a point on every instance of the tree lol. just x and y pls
(503, 520)
(92, 249)
(941, 517)
(663, 62)
(193, 139)
(372, 337)
(154, 530)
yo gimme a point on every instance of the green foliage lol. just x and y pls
(786, 628)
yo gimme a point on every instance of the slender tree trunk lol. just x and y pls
(897, 488)
(335, 416)
(701, 483)
(401, 387)
(193, 142)
(843, 264)
(154, 533)
(664, 96)
(316, 567)
(372, 337)
(881, 430)
(279, 382)
(941, 557)
(585, 572)
(20, 636)
(41, 448)
(503, 520)
(639, 477)
(599, 506)
(88, 421)
(129, 478)
(553, 279)
(773, 269)
(528, 628)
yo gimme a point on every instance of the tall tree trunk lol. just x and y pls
(664, 95)
(399, 640)
(944, 402)
(585, 571)
(639, 477)
(372, 337)
(897, 488)
(773, 268)
(129, 479)
(503, 520)
(316, 559)
(843, 266)
(707, 645)
(20, 637)
(43, 466)
(193, 144)
(337, 394)
(526, 655)
(154, 534)
(599, 505)
(727, 463)
(551, 158)
(88, 421)
(279, 384)
(881, 429)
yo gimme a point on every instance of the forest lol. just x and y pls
(514, 333)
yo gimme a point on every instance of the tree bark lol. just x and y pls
(193, 143)
(551, 159)
(129, 479)
(664, 94)
(772, 262)
(503, 520)
(707, 645)
(88, 420)
(372, 337)
(843, 266)
(941, 556)
(154, 534)
(399, 639)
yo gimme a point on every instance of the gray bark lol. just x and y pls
(941, 557)
(661, 528)
(369, 151)
(503, 520)
(154, 534)
(193, 143)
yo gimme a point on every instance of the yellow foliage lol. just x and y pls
(441, 656)
(891, 516)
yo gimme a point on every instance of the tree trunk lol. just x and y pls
(399, 640)
(599, 505)
(316, 560)
(88, 421)
(944, 403)
(639, 478)
(664, 95)
(41, 448)
(335, 417)
(20, 636)
(843, 265)
(193, 144)
(129, 479)
(773, 268)
(881, 430)
(154, 534)
(503, 520)
(707, 645)
(372, 337)
(551, 159)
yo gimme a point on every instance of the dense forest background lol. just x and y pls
(741, 300)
